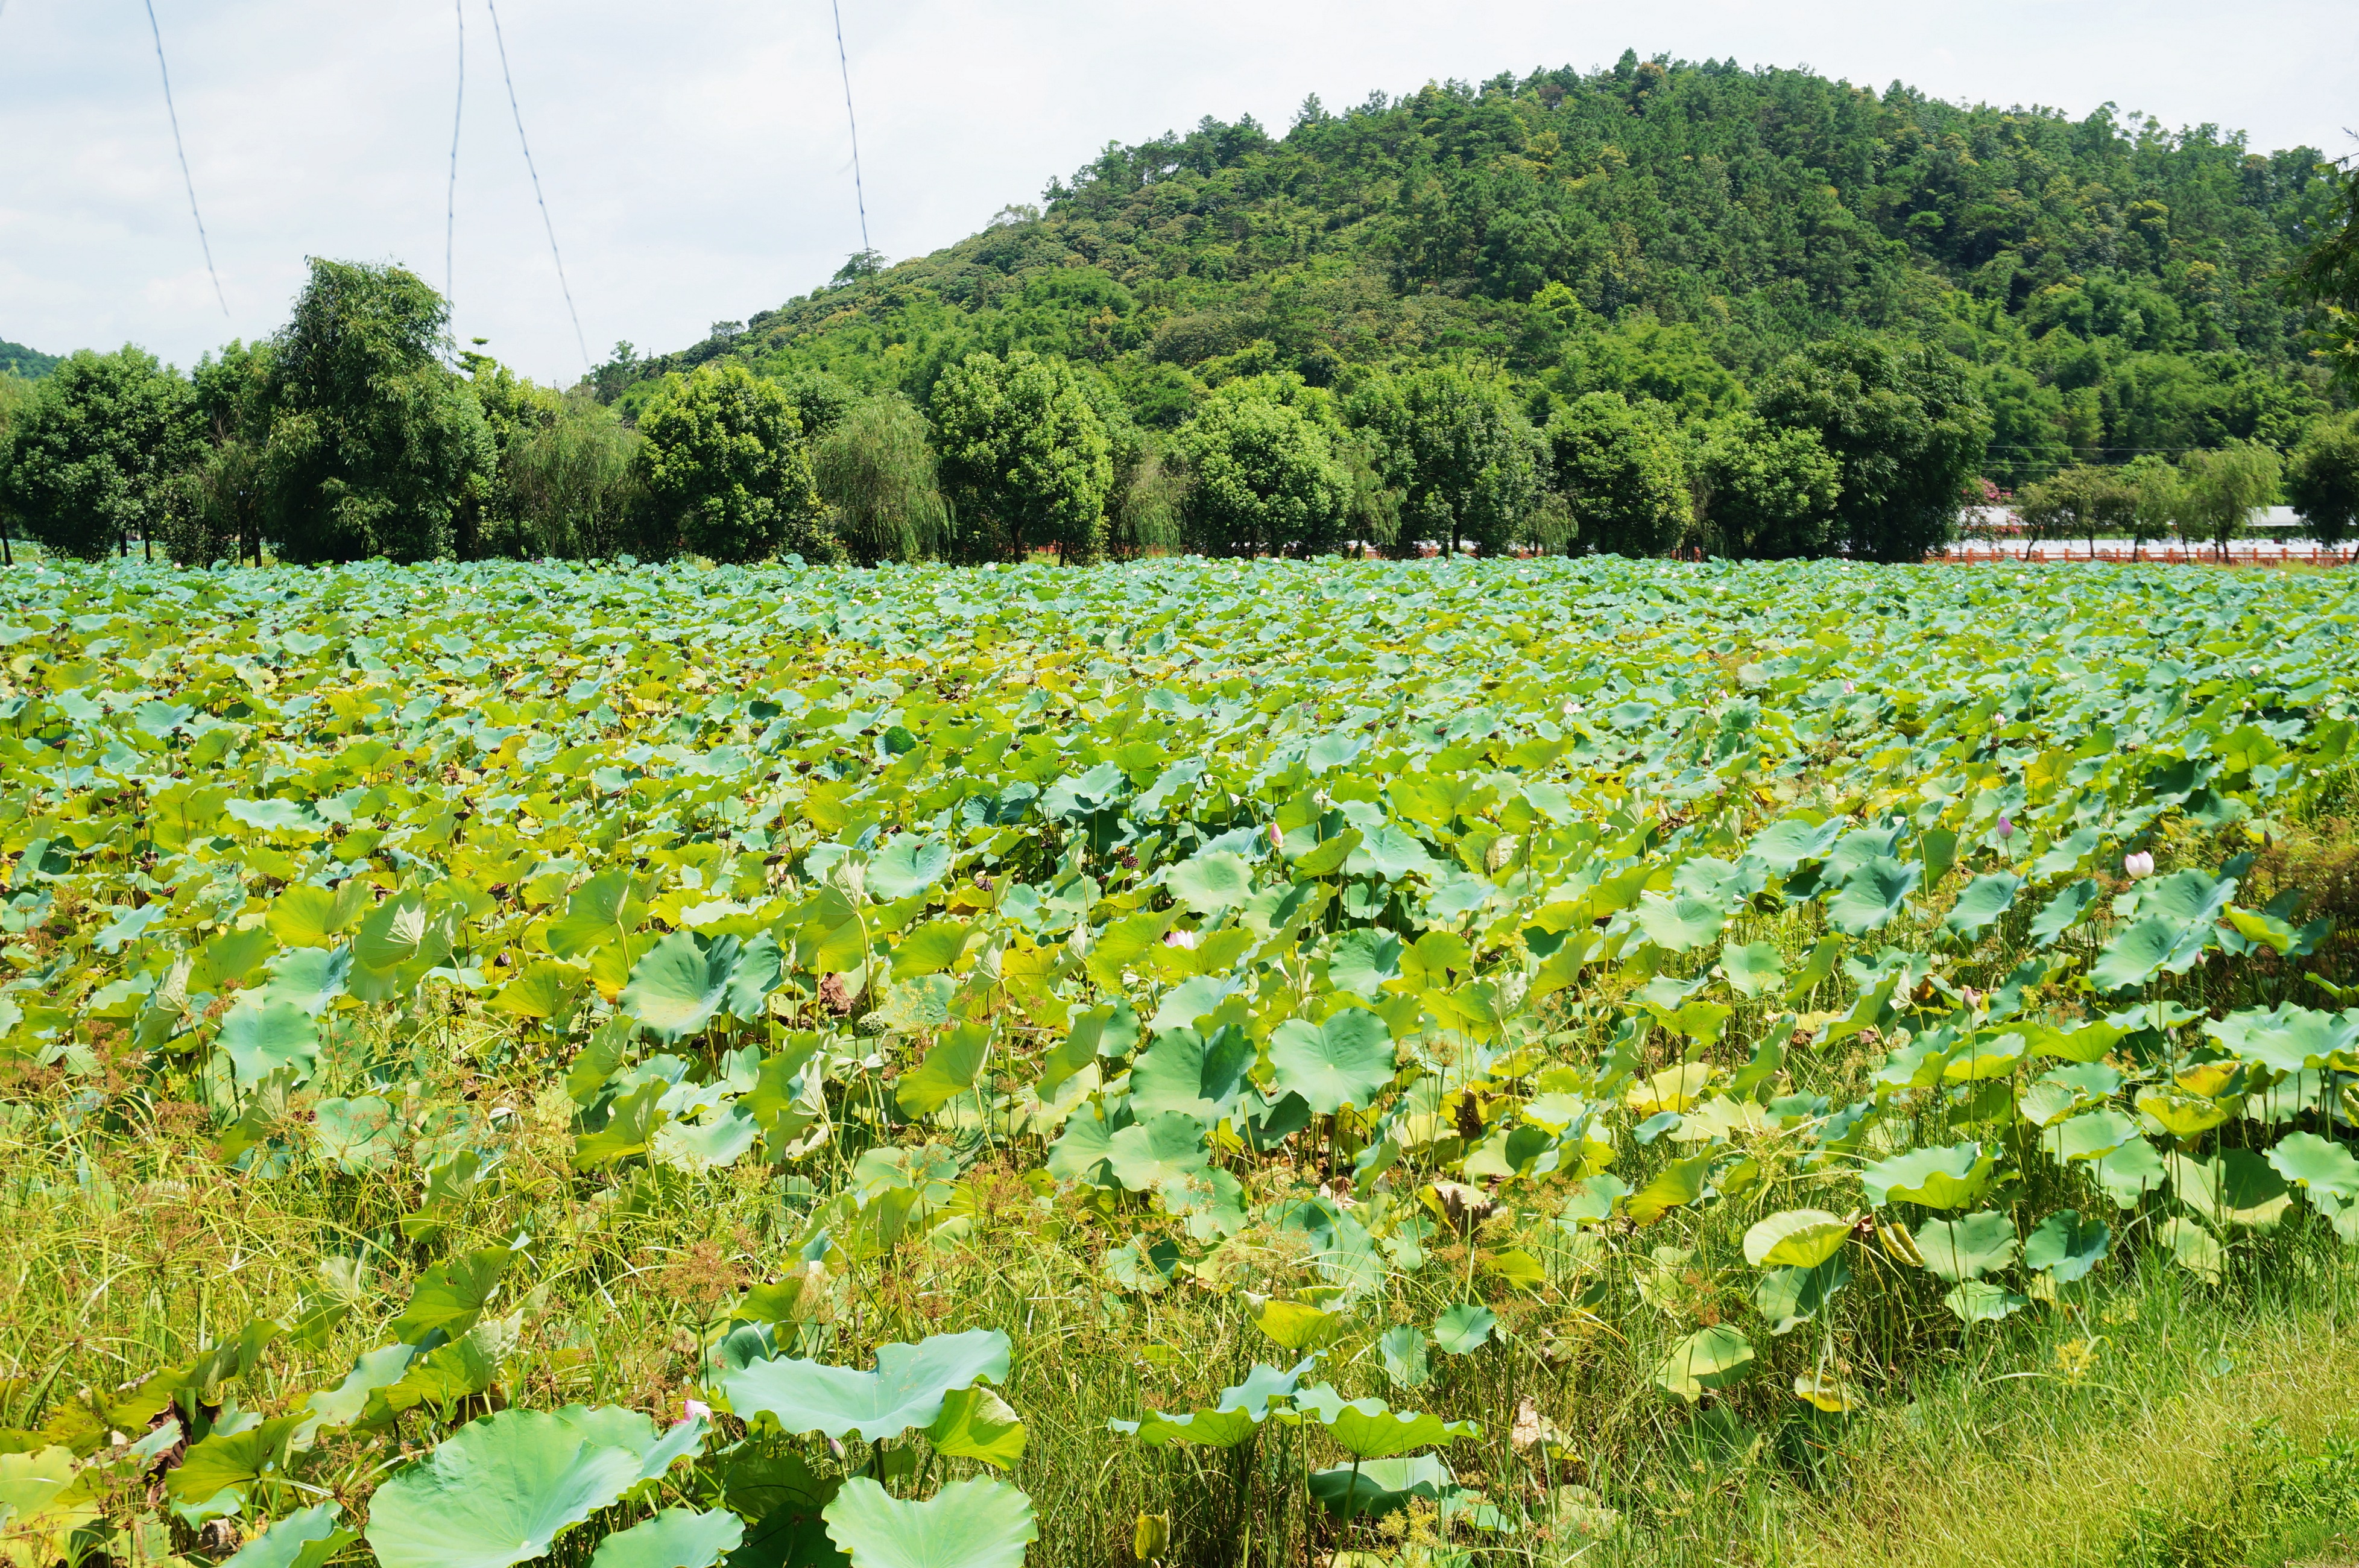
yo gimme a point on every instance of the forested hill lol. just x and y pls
(16, 359)
(1665, 229)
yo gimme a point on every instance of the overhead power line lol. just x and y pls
(859, 194)
(500, 42)
(450, 199)
(174, 115)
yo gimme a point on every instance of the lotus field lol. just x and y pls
(1258, 1063)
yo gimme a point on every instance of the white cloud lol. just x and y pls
(696, 162)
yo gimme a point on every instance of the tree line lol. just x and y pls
(356, 431)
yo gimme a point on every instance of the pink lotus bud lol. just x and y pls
(1179, 938)
(2006, 827)
(1849, 687)
(2138, 866)
(691, 1409)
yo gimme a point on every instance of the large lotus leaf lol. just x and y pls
(1679, 1183)
(357, 1135)
(1379, 1486)
(907, 1388)
(683, 982)
(967, 1524)
(400, 933)
(2182, 1117)
(2189, 896)
(1709, 1358)
(1783, 845)
(304, 1538)
(1679, 924)
(2286, 1038)
(41, 1506)
(1391, 853)
(1797, 1238)
(949, 1070)
(1463, 1329)
(2065, 1246)
(1979, 1301)
(2068, 909)
(1403, 1350)
(1084, 1150)
(976, 1424)
(451, 1294)
(2310, 1162)
(1985, 899)
(544, 988)
(676, 1538)
(602, 911)
(1347, 1060)
(1363, 961)
(1370, 1429)
(262, 1036)
(1200, 1078)
(1210, 883)
(2236, 1188)
(1753, 969)
(309, 916)
(309, 977)
(2144, 948)
(1873, 894)
(2196, 1250)
(1146, 1156)
(1790, 1298)
(500, 1491)
(719, 1139)
(1190, 999)
(907, 866)
(1967, 1249)
(1947, 1178)
(2127, 1173)
(1208, 1429)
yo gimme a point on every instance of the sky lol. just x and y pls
(696, 164)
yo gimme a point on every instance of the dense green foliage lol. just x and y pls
(2322, 481)
(725, 470)
(1660, 230)
(92, 452)
(1027, 451)
(672, 1059)
(372, 442)
(1263, 478)
(16, 359)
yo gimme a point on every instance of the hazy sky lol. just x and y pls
(694, 154)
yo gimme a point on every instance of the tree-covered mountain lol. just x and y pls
(1665, 230)
(16, 359)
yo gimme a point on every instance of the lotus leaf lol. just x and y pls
(1347, 1060)
(907, 1390)
(1463, 1329)
(1985, 899)
(967, 1524)
(307, 1538)
(1790, 1298)
(1707, 1359)
(1146, 1156)
(1962, 1250)
(2065, 1248)
(675, 1538)
(1797, 1238)
(907, 867)
(1947, 1178)
(1979, 1301)
(1379, 1486)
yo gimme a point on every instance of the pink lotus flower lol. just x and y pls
(1277, 839)
(1849, 687)
(1179, 938)
(691, 1409)
(2006, 827)
(2138, 866)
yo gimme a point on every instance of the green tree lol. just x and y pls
(95, 453)
(2079, 502)
(217, 510)
(1767, 494)
(2151, 482)
(876, 469)
(2322, 481)
(2326, 277)
(572, 484)
(1464, 462)
(1262, 473)
(1622, 468)
(488, 522)
(1903, 425)
(1027, 455)
(2220, 489)
(374, 443)
(726, 471)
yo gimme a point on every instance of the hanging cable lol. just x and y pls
(185, 179)
(500, 42)
(859, 194)
(450, 200)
